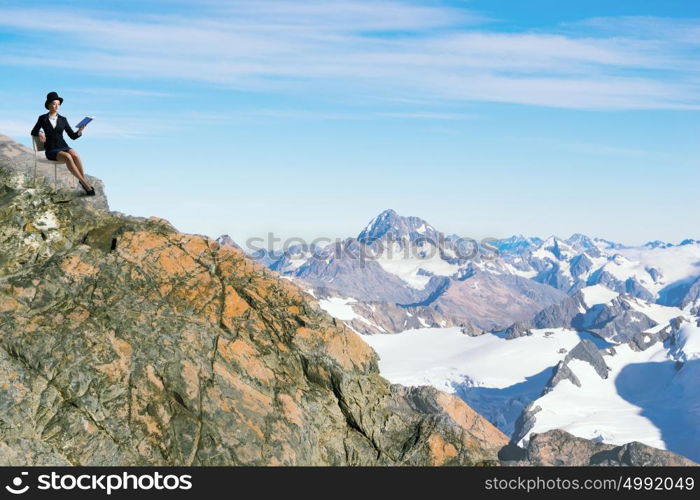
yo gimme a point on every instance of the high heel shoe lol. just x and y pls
(88, 192)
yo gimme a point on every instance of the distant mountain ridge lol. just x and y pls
(407, 262)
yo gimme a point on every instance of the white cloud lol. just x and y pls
(434, 53)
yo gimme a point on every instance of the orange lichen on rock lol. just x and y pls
(153, 378)
(136, 246)
(173, 261)
(9, 304)
(250, 398)
(75, 267)
(245, 356)
(290, 409)
(196, 246)
(440, 451)
(346, 347)
(78, 315)
(234, 306)
(27, 293)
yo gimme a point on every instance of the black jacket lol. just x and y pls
(54, 136)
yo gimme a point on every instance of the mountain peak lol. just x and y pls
(226, 240)
(581, 240)
(517, 244)
(385, 218)
(657, 244)
(390, 224)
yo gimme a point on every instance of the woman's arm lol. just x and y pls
(73, 135)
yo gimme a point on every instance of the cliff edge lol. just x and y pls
(125, 342)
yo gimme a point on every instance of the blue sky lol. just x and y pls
(306, 119)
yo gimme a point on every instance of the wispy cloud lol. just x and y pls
(430, 116)
(112, 92)
(684, 31)
(401, 50)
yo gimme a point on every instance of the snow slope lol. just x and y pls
(651, 396)
(444, 356)
(407, 264)
(497, 377)
(597, 294)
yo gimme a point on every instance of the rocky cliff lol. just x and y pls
(125, 342)
(557, 447)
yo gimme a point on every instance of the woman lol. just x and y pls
(49, 128)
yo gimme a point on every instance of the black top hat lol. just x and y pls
(52, 96)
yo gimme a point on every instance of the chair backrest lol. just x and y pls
(38, 145)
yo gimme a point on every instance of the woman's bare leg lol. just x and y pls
(70, 164)
(77, 161)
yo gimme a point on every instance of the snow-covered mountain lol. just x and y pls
(625, 393)
(562, 379)
(404, 262)
(407, 263)
(601, 365)
(581, 334)
(653, 272)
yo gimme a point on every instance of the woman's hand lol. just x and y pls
(80, 130)
(42, 136)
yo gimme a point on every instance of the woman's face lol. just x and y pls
(54, 105)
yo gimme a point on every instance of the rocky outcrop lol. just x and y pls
(385, 317)
(557, 447)
(471, 330)
(18, 160)
(692, 296)
(124, 342)
(583, 351)
(642, 341)
(561, 314)
(372, 318)
(581, 264)
(525, 422)
(629, 286)
(616, 321)
(518, 329)
(561, 372)
(588, 352)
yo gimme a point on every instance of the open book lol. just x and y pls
(85, 121)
